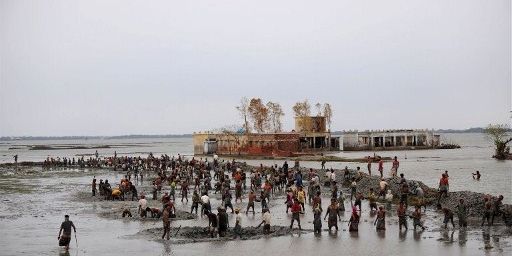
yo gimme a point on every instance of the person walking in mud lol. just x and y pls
(381, 167)
(353, 224)
(461, 210)
(296, 210)
(65, 232)
(15, 159)
(443, 187)
(166, 219)
(401, 211)
(195, 201)
(94, 186)
(332, 212)
(380, 221)
(143, 204)
(369, 166)
(238, 224)
(212, 224)
(394, 167)
(416, 215)
(184, 191)
(265, 221)
(353, 188)
(497, 211)
(250, 204)
(448, 217)
(223, 221)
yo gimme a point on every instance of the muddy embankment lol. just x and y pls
(474, 201)
(183, 235)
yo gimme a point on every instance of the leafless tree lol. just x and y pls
(328, 114)
(243, 110)
(275, 114)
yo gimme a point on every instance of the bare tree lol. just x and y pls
(243, 110)
(318, 109)
(275, 113)
(328, 114)
(258, 112)
(497, 133)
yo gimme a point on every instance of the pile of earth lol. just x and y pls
(183, 235)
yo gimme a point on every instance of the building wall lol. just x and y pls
(310, 124)
(390, 139)
(265, 144)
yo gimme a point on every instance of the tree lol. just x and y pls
(275, 113)
(497, 133)
(258, 112)
(318, 109)
(302, 111)
(243, 110)
(328, 114)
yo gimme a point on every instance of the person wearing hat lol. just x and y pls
(65, 230)
(238, 224)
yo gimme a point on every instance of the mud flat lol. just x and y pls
(185, 235)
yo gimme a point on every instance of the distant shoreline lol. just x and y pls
(186, 135)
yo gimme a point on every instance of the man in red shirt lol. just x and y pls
(296, 207)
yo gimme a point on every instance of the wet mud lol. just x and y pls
(184, 235)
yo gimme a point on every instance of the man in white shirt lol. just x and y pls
(205, 206)
(143, 204)
(238, 224)
(383, 187)
(266, 221)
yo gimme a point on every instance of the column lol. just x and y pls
(394, 141)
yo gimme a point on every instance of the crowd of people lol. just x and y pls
(177, 176)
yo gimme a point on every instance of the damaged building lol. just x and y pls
(310, 135)
(390, 140)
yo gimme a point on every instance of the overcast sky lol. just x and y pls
(171, 67)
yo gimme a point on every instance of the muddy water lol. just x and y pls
(424, 165)
(34, 202)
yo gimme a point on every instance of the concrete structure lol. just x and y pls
(310, 134)
(390, 140)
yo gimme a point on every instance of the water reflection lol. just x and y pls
(381, 234)
(417, 235)
(167, 248)
(354, 234)
(446, 236)
(462, 237)
(402, 235)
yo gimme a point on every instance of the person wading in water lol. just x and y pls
(66, 226)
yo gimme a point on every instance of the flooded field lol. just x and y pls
(34, 203)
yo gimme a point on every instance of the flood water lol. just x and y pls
(33, 203)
